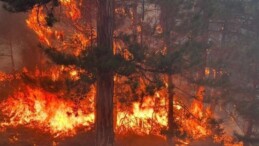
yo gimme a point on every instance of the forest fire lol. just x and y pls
(42, 110)
(115, 69)
(39, 109)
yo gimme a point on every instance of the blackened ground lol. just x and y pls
(136, 140)
(21, 136)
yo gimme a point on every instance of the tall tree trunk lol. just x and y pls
(166, 21)
(105, 84)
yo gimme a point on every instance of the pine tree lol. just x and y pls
(185, 37)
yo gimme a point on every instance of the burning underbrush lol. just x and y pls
(32, 105)
(45, 111)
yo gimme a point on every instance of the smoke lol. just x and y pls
(16, 35)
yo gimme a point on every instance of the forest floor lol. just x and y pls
(21, 136)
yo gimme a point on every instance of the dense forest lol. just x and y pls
(129, 72)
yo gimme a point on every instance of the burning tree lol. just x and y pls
(115, 66)
(104, 72)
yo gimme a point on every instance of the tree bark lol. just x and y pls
(105, 84)
(166, 23)
(104, 110)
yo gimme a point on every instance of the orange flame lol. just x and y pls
(38, 109)
(60, 36)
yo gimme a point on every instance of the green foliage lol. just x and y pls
(93, 60)
(187, 57)
(23, 5)
(61, 58)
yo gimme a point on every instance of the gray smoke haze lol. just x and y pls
(13, 30)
